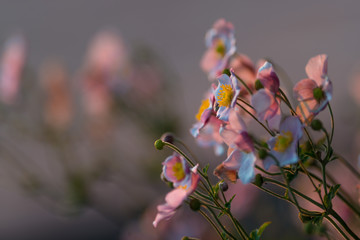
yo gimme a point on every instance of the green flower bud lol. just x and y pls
(318, 94)
(195, 204)
(305, 218)
(224, 186)
(168, 137)
(309, 228)
(262, 154)
(185, 238)
(258, 85)
(227, 72)
(159, 144)
(316, 124)
(258, 180)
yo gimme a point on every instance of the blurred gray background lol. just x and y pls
(289, 32)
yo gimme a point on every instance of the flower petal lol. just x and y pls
(304, 89)
(316, 68)
(265, 104)
(268, 77)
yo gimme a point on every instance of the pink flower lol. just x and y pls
(315, 92)
(185, 180)
(220, 42)
(284, 145)
(206, 130)
(12, 63)
(266, 105)
(241, 158)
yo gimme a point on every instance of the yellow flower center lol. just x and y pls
(283, 141)
(220, 47)
(178, 170)
(204, 105)
(225, 95)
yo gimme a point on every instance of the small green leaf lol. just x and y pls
(262, 228)
(205, 169)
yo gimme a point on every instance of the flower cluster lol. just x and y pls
(240, 94)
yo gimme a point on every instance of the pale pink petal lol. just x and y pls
(265, 104)
(244, 142)
(304, 89)
(235, 121)
(209, 60)
(316, 68)
(274, 122)
(268, 77)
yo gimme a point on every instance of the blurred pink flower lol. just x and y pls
(58, 107)
(315, 92)
(185, 182)
(11, 68)
(220, 41)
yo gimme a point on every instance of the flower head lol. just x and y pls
(185, 180)
(241, 158)
(266, 105)
(226, 95)
(220, 42)
(315, 92)
(206, 129)
(283, 145)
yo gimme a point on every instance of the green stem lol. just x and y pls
(343, 224)
(212, 223)
(332, 123)
(272, 134)
(243, 83)
(266, 172)
(337, 227)
(246, 103)
(220, 224)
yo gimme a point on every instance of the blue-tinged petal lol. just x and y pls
(292, 124)
(242, 162)
(223, 113)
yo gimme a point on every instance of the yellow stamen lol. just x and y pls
(283, 141)
(204, 105)
(178, 170)
(220, 47)
(225, 95)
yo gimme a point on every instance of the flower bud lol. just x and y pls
(258, 85)
(316, 124)
(258, 180)
(318, 94)
(195, 204)
(185, 238)
(262, 154)
(159, 144)
(168, 137)
(224, 186)
(227, 72)
(305, 218)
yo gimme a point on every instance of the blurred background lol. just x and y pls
(86, 87)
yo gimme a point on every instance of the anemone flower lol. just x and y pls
(220, 42)
(314, 92)
(241, 157)
(185, 181)
(283, 146)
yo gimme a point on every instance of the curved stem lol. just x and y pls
(337, 227)
(255, 118)
(243, 83)
(332, 123)
(212, 223)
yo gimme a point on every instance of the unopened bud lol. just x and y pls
(318, 94)
(305, 218)
(195, 204)
(168, 137)
(258, 180)
(258, 85)
(227, 72)
(224, 186)
(262, 154)
(185, 238)
(159, 144)
(316, 124)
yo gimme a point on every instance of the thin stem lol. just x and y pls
(212, 223)
(272, 134)
(332, 123)
(348, 165)
(220, 224)
(266, 172)
(343, 224)
(337, 227)
(243, 83)
(246, 103)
